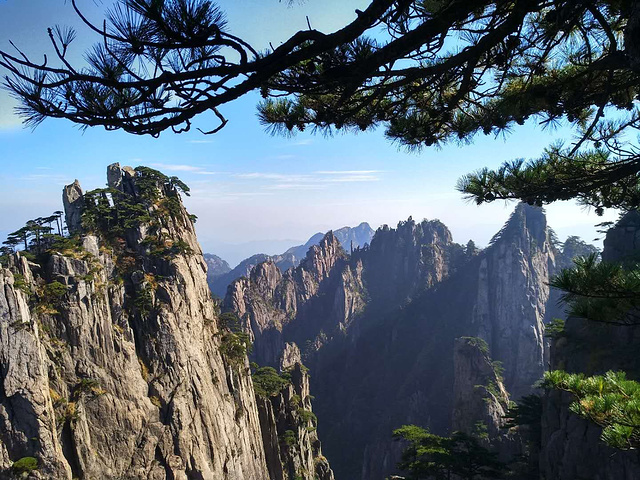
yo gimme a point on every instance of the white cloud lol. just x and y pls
(283, 177)
(347, 172)
(296, 186)
(247, 194)
(316, 181)
(353, 178)
(173, 167)
(300, 143)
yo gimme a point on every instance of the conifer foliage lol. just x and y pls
(430, 456)
(610, 400)
(429, 72)
(601, 291)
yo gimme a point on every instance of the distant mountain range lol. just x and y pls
(220, 274)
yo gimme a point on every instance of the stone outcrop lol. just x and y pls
(324, 293)
(292, 447)
(348, 237)
(512, 296)
(408, 260)
(290, 356)
(110, 358)
(480, 400)
(72, 202)
(622, 243)
(572, 448)
(216, 267)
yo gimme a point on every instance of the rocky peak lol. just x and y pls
(216, 266)
(527, 225)
(121, 178)
(480, 399)
(265, 278)
(112, 364)
(354, 237)
(410, 258)
(513, 293)
(292, 447)
(623, 239)
(321, 258)
(72, 201)
(290, 356)
(479, 395)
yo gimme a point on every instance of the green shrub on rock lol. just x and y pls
(267, 382)
(25, 465)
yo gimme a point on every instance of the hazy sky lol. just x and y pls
(253, 192)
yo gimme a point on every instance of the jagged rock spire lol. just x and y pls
(72, 200)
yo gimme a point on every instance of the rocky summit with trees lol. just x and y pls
(428, 72)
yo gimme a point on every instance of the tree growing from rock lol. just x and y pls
(611, 401)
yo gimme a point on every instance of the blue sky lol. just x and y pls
(253, 192)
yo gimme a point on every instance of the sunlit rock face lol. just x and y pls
(292, 447)
(121, 375)
(349, 238)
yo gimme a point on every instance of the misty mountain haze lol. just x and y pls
(220, 275)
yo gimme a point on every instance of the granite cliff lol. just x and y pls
(216, 266)
(113, 361)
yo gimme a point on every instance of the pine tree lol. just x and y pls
(610, 400)
(429, 72)
(430, 456)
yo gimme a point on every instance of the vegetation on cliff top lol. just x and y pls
(267, 382)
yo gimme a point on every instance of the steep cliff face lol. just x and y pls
(480, 400)
(571, 446)
(110, 353)
(292, 447)
(216, 267)
(322, 295)
(512, 296)
(410, 259)
(348, 237)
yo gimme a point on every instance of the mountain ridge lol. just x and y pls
(349, 237)
(410, 283)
